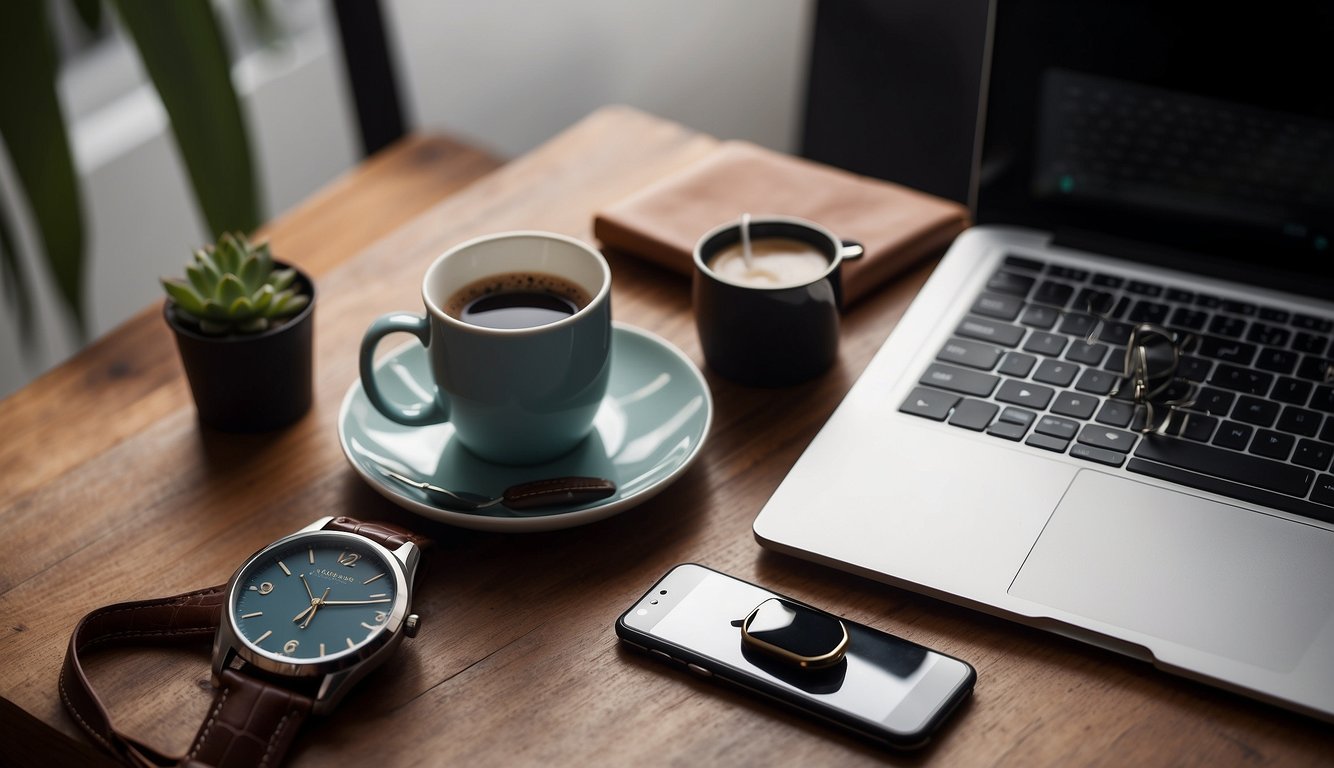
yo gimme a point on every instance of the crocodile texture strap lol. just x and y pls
(386, 534)
(252, 721)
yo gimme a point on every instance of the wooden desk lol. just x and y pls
(110, 491)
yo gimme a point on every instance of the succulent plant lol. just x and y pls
(233, 288)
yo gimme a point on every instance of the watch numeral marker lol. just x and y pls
(284, 567)
(350, 644)
(290, 646)
(349, 559)
(371, 627)
(252, 615)
(380, 594)
(380, 616)
(263, 637)
(321, 649)
(265, 588)
(373, 578)
(311, 552)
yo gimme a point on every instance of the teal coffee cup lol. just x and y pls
(518, 333)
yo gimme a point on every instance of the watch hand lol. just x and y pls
(308, 592)
(302, 615)
(314, 606)
(355, 602)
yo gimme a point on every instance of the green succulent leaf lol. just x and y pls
(230, 288)
(254, 325)
(212, 310)
(263, 298)
(296, 304)
(252, 272)
(282, 278)
(242, 308)
(184, 296)
(200, 279)
(228, 254)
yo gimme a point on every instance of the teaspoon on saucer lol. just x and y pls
(531, 495)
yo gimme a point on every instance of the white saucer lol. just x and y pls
(650, 428)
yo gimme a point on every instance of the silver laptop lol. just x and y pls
(1138, 185)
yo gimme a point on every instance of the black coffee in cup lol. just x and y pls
(517, 300)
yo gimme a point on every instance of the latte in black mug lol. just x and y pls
(770, 320)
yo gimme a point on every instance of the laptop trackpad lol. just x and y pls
(1210, 576)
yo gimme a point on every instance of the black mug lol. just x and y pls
(770, 333)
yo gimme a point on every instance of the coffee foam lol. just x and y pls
(516, 282)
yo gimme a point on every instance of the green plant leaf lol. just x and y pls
(212, 310)
(200, 278)
(241, 309)
(282, 278)
(33, 128)
(184, 297)
(183, 52)
(263, 298)
(15, 279)
(230, 288)
(90, 13)
(228, 254)
(251, 273)
(253, 325)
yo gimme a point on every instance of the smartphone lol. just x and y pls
(895, 692)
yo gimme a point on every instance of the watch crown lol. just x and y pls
(411, 625)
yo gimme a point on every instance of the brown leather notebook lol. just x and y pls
(898, 226)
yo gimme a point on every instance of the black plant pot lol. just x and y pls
(250, 382)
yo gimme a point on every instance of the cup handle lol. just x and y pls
(418, 415)
(848, 249)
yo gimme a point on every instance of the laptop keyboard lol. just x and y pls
(1019, 367)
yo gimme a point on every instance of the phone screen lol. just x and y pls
(882, 680)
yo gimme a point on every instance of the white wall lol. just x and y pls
(503, 74)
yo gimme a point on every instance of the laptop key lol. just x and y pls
(973, 414)
(1011, 283)
(1241, 379)
(930, 403)
(1192, 426)
(1253, 410)
(1178, 295)
(1047, 442)
(1074, 404)
(1323, 493)
(1275, 315)
(1077, 324)
(1294, 391)
(1116, 333)
(1239, 307)
(1070, 273)
(1233, 435)
(997, 305)
(1055, 372)
(970, 353)
(1312, 454)
(1276, 360)
(959, 380)
(1023, 393)
(1275, 445)
(1192, 319)
(1108, 281)
(1227, 350)
(1038, 316)
(1107, 438)
(1223, 325)
(1316, 369)
(1054, 293)
(1268, 335)
(1194, 368)
(1143, 288)
(1023, 262)
(1323, 399)
(1095, 382)
(1309, 323)
(1148, 312)
(1214, 401)
(1116, 413)
(1057, 427)
(1243, 492)
(1083, 352)
(1239, 467)
(1043, 343)
(1017, 364)
(1008, 430)
(1090, 453)
(1310, 343)
(1300, 421)
(982, 329)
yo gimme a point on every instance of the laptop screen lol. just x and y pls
(1196, 135)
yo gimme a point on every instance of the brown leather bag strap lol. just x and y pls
(175, 620)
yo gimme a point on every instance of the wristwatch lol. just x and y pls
(304, 619)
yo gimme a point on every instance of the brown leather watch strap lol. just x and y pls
(385, 534)
(252, 723)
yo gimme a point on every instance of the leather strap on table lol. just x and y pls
(176, 620)
(252, 721)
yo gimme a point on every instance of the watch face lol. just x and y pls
(314, 597)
